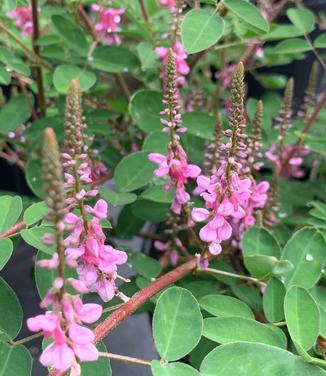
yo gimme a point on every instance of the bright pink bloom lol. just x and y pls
(23, 18)
(107, 24)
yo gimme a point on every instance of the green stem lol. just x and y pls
(232, 275)
(30, 53)
(127, 359)
(27, 339)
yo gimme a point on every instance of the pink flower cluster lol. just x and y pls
(72, 342)
(96, 262)
(288, 167)
(23, 18)
(226, 203)
(176, 166)
(182, 67)
(170, 4)
(107, 24)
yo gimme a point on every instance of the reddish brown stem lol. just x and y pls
(38, 69)
(13, 229)
(142, 297)
(88, 23)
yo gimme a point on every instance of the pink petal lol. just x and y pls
(215, 248)
(157, 158)
(60, 357)
(199, 214)
(86, 353)
(80, 335)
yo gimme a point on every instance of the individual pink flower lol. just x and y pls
(23, 19)
(107, 24)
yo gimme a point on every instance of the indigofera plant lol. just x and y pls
(173, 169)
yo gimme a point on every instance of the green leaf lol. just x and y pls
(292, 46)
(133, 172)
(147, 55)
(157, 142)
(71, 34)
(63, 75)
(172, 369)
(248, 294)
(33, 176)
(235, 329)
(306, 251)
(199, 124)
(11, 313)
(177, 323)
(282, 31)
(253, 359)
(5, 77)
(6, 248)
(222, 305)
(200, 30)
(15, 360)
(150, 211)
(302, 317)
(114, 59)
(10, 210)
(273, 300)
(263, 267)
(144, 265)
(35, 213)
(158, 194)
(128, 225)
(320, 41)
(145, 107)
(14, 114)
(248, 13)
(258, 241)
(33, 237)
(100, 367)
(302, 18)
(116, 198)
